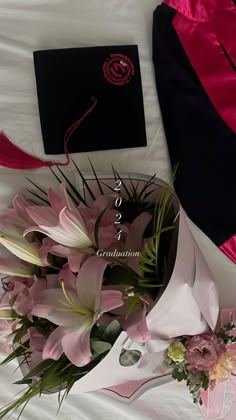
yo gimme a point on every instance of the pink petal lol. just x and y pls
(110, 299)
(56, 202)
(68, 277)
(71, 221)
(11, 217)
(68, 202)
(134, 240)
(51, 307)
(103, 201)
(136, 325)
(89, 282)
(36, 357)
(35, 229)
(75, 262)
(20, 206)
(52, 281)
(47, 245)
(37, 340)
(39, 286)
(106, 236)
(53, 347)
(44, 216)
(76, 344)
(14, 266)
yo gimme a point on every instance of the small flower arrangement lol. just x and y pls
(81, 268)
(203, 360)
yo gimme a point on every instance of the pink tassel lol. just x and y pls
(11, 156)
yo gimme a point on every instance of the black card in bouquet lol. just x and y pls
(70, 80)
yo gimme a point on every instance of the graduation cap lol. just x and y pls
(89, 99)
(70, 80)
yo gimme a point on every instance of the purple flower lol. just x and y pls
(204, 352)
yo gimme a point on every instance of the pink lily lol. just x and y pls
(25, 296)
(74, 256)
(66, 227)
(76, 308)
(70, 229)
(13, 266)
(7, 329)
(17, 216)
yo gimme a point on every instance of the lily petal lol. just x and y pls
(52, 306)
(44, 216)
(53, 347)
(89, 282)
(22, 249)
(74, 225)
(134, 240)
(68, 277)
(110, 299)
(13, 266)
(136, 325)
(76, 344)
(20, 205)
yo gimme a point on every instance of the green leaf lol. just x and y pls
(84, 181)
(69, 193)
(15, 354)
(98, 182)
(12, 301)
(38, 196)
(100, 346)
(112, 331)
(75, 191)
(119, 275)
(45, 364)
(37, 186)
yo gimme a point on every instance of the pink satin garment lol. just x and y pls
(203, 31)
(229, 248)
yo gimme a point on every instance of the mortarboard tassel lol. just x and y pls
(11, 156)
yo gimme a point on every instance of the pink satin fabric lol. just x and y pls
(214, 401)
(229, 248)
(206, 30)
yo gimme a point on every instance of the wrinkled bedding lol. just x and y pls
(28, 25)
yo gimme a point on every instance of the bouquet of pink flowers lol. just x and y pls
(81, 267)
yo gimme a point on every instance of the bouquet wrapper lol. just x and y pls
(188, 306)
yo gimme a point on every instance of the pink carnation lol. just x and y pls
(204, 352)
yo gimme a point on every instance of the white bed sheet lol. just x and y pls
(28, 25)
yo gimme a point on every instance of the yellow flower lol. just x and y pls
(176, 352)
(224, 368)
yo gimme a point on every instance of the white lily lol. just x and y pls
(11, 238)
(13, 266)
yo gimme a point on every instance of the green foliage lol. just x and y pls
(223, 333)
(150, 261)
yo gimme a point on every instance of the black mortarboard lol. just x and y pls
(69, 80)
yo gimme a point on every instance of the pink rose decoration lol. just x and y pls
(204, 352)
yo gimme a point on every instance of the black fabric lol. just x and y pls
(199, 141)
(67, 82)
